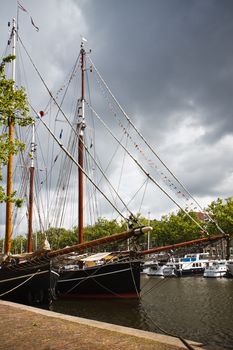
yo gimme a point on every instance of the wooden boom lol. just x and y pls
(183, 244)
(115, 237)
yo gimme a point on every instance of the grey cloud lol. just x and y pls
(167, 53)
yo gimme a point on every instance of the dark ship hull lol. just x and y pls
(112, 280)
(190, 272)
(32, 282)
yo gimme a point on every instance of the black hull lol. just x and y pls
(31, 283)
(115, 280)
(190, 272)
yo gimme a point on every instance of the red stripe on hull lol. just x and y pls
(99, 296)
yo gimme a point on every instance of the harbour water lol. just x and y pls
(191, 307)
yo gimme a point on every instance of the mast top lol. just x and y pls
(83, 41)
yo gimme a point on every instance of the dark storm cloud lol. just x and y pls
(163, 54)
(167, 61)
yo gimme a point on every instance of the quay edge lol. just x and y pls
(31, 327)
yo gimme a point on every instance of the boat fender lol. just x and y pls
(140, 230)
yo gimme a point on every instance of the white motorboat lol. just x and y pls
(230, 268)
(162, 269)
(146, 266)
(191, 264)
(216, 268)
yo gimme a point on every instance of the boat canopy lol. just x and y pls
(97, 257)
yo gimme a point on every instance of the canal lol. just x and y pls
(194, 308)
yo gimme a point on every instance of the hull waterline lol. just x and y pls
(31, 283)
(113, 280)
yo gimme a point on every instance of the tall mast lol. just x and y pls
(9, 190)
(31, 188)
(81, 151)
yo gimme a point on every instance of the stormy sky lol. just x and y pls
(168, 62)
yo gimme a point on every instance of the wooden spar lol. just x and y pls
(100, 241)
(9, 190)
(8, 233)
(31, 190)
(80, 156)
(29, 242)
(183, 244)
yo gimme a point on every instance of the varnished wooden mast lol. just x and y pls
(31, 191)
(81, 153)
(9, 190)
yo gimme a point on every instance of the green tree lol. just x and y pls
(222, 212)
(19, 244)
(57, 237)
(14, 109)
(175, 228)
(102, 228)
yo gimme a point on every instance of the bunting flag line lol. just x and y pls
(32, 22)
(61, 132)
(173, 184)
(20, 7)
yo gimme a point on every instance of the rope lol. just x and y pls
(158, 284)
(143, 196)
(136, 193)
(75, 134)
(149, 176)
(150, 148)
(84, 172)
(143, 170)
(94, 276)
(188, 346)
(156, 325)
(11, 290)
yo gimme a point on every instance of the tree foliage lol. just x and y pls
(171, 229)
(14, 109)
(222, 212)
(174, 228)
(103, 228)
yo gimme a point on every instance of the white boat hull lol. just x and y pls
(216, 269)
(230, 268)
(214, 274)
(162, 271)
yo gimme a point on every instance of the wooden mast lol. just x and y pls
(9, 189)
(81, 152)
(31, 190)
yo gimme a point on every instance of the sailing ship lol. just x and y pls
(32, 278)
(99, 279)
(113, 278)
(29, 279)
(121, 275)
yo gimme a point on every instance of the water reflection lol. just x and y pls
(192, 307)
